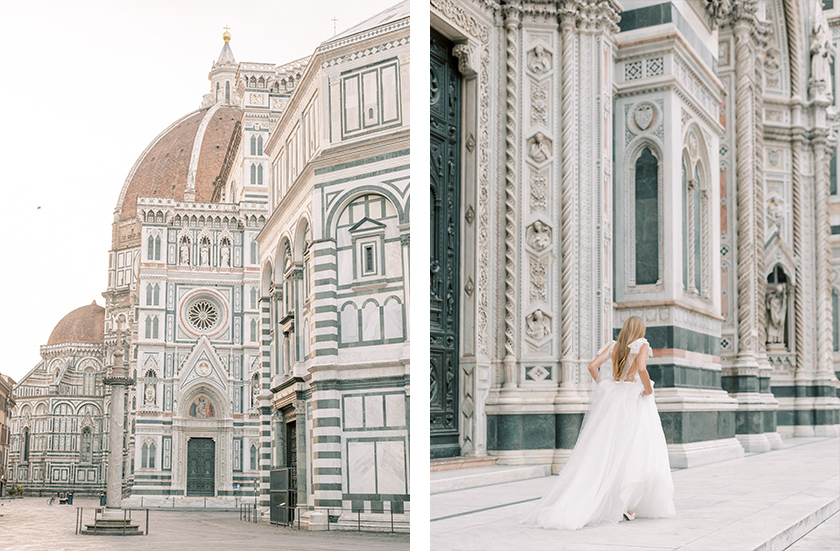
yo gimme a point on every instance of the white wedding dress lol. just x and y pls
(620, 460)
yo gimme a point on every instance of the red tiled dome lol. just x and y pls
(85, 324)
(162, 170)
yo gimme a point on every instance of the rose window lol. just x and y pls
(203, 315)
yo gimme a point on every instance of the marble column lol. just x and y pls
(118, 380)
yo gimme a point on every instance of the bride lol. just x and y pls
(619, 467)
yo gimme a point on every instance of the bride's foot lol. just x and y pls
(629, 515)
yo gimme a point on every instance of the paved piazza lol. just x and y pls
(30, 524)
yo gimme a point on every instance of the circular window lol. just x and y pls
(203, 315)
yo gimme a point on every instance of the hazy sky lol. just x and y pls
(85, 86)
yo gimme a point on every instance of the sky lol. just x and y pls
(86, 85)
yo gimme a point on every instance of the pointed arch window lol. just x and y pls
(253, 298)
(259, 145)
(156, 293)
(157, 247)
(148, 327)
(253, 330)
(144, 456)
(149, 294)
(253, 145)
(218, 92)
(150, 249)
(253, 455)
(155, 324)
(259, 175)
(647, 217)
(253, 174)
(90, 381)
(227, 91)
(86, 446)
(697, 231)
(254, 252)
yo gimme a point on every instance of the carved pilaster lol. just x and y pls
(822, 238)
(512, 21)
(799, 291)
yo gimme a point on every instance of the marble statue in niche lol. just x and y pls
(150, 394)
(821, 58)
(205, 254)
(539, 147)
(225, 255)
(539, 236)
(184, 255)
(538, 325)
(776, 304)
(539, 60)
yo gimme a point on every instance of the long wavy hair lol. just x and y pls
(634, 328)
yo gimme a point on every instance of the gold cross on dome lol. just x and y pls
(227, 28)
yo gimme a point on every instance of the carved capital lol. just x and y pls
(512, 15)
(466, 54)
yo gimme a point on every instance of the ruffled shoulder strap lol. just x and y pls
(636, 346)
(605, 347)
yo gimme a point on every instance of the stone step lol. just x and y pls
(454, 463)
(461, 479)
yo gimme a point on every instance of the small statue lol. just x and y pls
(184, 257)
(150, 394)
(225, 255)
(776, 303)
(540, 148)
(539, 236)
(539, 60)
(538, 325)
(821, 59)
(205, 255)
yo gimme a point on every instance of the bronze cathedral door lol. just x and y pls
(445, 178)
(201, 467)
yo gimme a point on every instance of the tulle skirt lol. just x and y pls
(620, 462)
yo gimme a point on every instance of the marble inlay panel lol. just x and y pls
(393, 320)
(390, 466)
(349, 324)
(395, 410)
(361, 475)
(345, 266)
(353, 412)
(374, 414)
(370, 322)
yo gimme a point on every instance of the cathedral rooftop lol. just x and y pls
(85, 325)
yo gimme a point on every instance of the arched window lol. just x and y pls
(90, 381)
(24, 446)
(253, 174)
(155, 324)
(254, 257)
(149, 294)
(253, 455)
(144, 456)
(647, 218)
(253, 145)
(349, 323)
(148, 327)
(86, 447)
(253, 330)
(152, 454)
(218, 92)
(393, 314)
(157, 248)
(227, 91)
(259, 175)
(698, 221)
(259, 145)
(685, 224)
(151, 248)
(253, 297)
(156, 298)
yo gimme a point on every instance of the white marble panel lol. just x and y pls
(345, 266)
(370, 322)
(393, 320)
(349, 324)
(353, 412)
(395, 410)
(361, 475)
(393, 259)
(374, 413)
(390, 467)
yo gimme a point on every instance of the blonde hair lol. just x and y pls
(634, 328)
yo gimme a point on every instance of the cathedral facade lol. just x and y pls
(673, 161)
(230, 245)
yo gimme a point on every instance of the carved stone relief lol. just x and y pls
(539, 60)
(539, 280)
(539, 236)
(539, 104)
(538, 325)
(539, 148)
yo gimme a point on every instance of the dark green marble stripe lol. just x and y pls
(671, 375)
(803, 391)
(684, 427)
(671, 336)
(807, 417)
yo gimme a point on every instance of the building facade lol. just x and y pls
(6, 404)
(334, 258)
(670, 160)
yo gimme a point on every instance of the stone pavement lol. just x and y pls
(29, 524)
(762, 501)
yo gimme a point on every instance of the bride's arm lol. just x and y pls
(643, 373)
(596, 363)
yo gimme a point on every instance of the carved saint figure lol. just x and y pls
(776, 304)
(225, 255)
(255, 393)
(539, 236)
(539, 60)
(540, 148)
(820, 56)
(205, 255)
(538, 325)
(184, 256)
(150, 394)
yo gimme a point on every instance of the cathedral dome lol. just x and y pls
(85, 324)
(187, 155)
